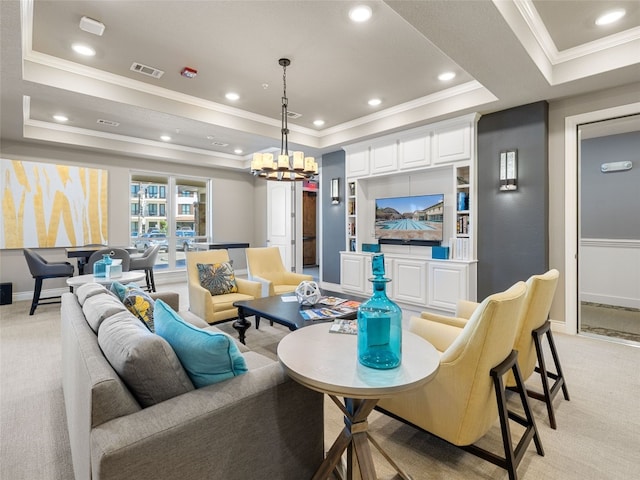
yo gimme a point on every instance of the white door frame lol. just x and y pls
(572, 294)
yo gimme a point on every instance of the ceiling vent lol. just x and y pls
(108, 123)
(291, 114)
(220, 144)
(146, 70)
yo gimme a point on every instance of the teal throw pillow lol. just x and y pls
(218, 278)
(208, 357)
(121, 290)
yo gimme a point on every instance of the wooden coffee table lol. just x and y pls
(278, 311)
(328, 363)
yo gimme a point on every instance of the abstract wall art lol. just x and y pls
(46, 205)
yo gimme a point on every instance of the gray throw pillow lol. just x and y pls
(145, 362)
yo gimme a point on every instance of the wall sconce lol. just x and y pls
(335, 191)
(508, 170)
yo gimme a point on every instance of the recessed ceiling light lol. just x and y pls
(60, 118)
(446, 76)
(360, 13)
(318, 123)
(232, 96)
(85, 50)
(237, 151)
(611, 16)
(165, 138)
(374, 102)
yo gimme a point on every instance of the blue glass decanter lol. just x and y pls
(100, 267)
(379, 324)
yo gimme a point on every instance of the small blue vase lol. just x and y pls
(100, 267)
(379, 324)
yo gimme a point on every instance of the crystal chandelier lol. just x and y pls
(287, 167)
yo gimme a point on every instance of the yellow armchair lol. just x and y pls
(533, 327)
(215, 308)
(467, 395)
(265, 266)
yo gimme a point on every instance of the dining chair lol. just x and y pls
(146, 262)
(119, 253)
(41, 269)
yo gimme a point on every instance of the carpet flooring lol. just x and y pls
(597, 436)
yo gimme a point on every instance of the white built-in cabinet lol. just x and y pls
(436, 158)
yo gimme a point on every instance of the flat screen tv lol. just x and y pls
(415, 219)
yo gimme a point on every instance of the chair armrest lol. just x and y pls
(440, 335)
(170, 298)
(465, 308)
(178, 436)
(266, 286)
(292, 278)
(249, 287)
(200, 302)
(444, 319)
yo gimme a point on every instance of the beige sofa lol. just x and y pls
(257, 425)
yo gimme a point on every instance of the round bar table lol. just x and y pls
(126, 277)
(328, 363)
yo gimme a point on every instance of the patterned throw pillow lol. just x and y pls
(218, 278)
(141, 305)
(121, 290)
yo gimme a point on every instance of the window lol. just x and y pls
(169, 205)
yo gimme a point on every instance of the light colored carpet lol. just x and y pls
(597, 436)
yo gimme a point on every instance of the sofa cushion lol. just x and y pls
(100, 307)
(146, 362)
(88, 290)
(208, 357)
(218, 278)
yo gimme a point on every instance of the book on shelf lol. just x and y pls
(344, 326)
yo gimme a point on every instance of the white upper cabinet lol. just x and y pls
(357, 163)
(384, 158)
(452, 143)
(415, 152)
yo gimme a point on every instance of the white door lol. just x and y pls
(283, 225)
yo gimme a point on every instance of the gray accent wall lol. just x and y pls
(512, 227)
(610, 202)
(333, 217)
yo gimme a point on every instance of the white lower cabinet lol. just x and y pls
(421, 282)
(448, 282)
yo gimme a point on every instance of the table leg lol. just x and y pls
(241, 325)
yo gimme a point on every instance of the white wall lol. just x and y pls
(233, 203)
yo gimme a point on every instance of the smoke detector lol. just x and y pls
(189, 72)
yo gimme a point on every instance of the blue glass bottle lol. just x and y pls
(100, 267)
(379, 324)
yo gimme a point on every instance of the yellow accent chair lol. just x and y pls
(467, 395)
(215, 308)
(533, 327)
(265, 266)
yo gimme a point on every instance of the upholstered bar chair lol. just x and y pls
(265, 266)
(467, 395)
(146, 262)
(533, 328)
(41, 269)
(114, 253)
(204, 299)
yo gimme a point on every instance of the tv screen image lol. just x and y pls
(411, 219)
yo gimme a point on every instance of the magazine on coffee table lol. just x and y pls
(331, 301)
(344, 326)
(344, 309)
